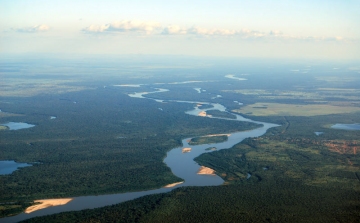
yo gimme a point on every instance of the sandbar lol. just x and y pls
(202, 114)
(218, 135)
(174, 184)
(206, 171)
(186, 150)
(47, 203)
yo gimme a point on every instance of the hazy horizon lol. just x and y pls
(325, 30)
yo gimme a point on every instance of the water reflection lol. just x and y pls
(9, 166)
(355, 126)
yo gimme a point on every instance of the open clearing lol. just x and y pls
(277, 109)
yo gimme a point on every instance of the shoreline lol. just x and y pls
(47, 203)
(206, 171)
(173, 184)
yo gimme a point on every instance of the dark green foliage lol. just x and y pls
(108, 142)
(208, 140)
(292, 180)
(105, 143)
(220, 114)
(13, 208)
(282, 201)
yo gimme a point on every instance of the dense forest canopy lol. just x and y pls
(91, 138)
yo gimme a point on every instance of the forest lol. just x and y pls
(106, 134)
(208, 139)
(102, 142)
(294, 177)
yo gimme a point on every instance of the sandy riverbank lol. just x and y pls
(202, 114)
(206, 171)
(47, 203)
(186, 150)
(228, 135)
(174, 184)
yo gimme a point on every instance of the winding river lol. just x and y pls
(181, 164)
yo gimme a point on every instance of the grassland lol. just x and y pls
(26, 87)
(277, 109)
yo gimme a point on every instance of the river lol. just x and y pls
(181, 164)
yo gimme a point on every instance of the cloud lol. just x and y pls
(34, 29)
(244, 33)
(127, 26)
(124, 26)
(275, 33)
(174, 30)
(96, 28)
(177, 30)
(211, 32)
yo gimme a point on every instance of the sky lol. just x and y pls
(312, 29)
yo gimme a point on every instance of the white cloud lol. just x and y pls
(275, 33)
(211, 32)
(174, 30)
(96, 28)
(244, 33)
(124, 26)
(34, 29)
(156, 28)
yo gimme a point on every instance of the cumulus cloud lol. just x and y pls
(244, 33)
(155, 28)
(34, 29)
(124, 26)
(174, 30)
(276, 33)
(96, 28)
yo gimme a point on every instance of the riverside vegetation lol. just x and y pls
(208, 139)
(294, 177)
(107, 142)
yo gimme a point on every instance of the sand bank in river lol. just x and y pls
(202, 114)
(47, 203)
(174, 184)
(206, 171)
(186, 150)
(228, 135)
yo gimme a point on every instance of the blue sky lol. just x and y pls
(253, 28)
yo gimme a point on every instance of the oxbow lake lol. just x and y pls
(17, 125)
(355, 126)
(9, 166)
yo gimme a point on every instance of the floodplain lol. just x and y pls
(104, 142)
(277, 109)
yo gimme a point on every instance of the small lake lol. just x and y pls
(17, 125)
(355, 126)
(9, 166)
